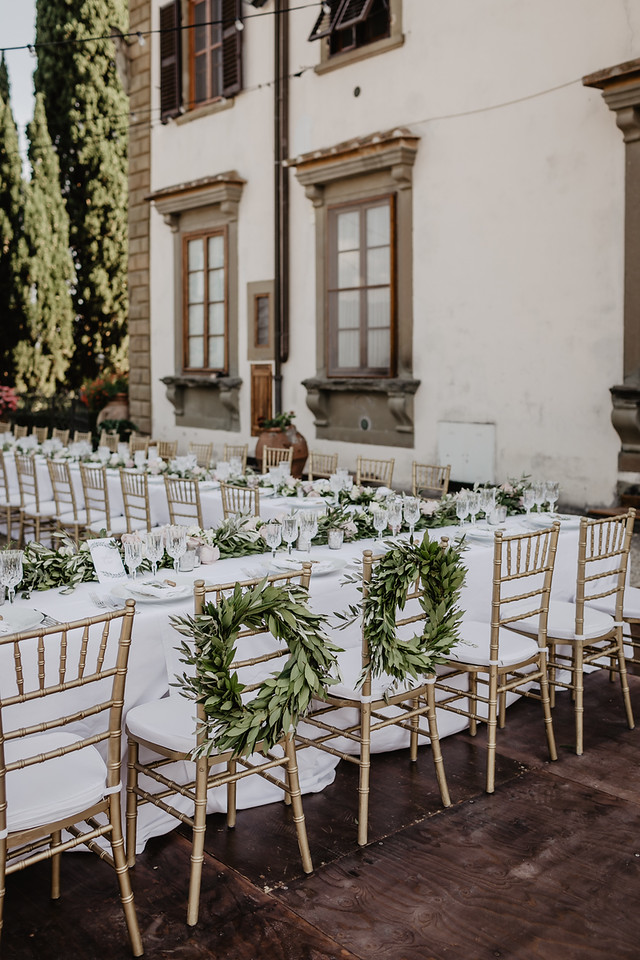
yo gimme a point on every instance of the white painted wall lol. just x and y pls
(518, 221)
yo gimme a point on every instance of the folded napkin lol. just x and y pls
(156, 589)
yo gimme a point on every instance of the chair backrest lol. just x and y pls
(429, 480)
(5, 426)
(61, 435)
(4, 481)
(62, 679)
(27, 481)
(40, 433)
(183, 497)
(239, 500)
(82, 436)
(167, 449)
(135, 496)
(239, 450)
(522, 572)
(62, 486)
(138, 443)
(96, 492)
(203, 452)
(109, 440)
(375, 471)
(603, 559)
(321, 464)
(20, 432)
(273, 456)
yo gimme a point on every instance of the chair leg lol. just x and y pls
(197, 840)
(578, 693)
(364, 773)
(232, 792)
(415, 724)
(56, 839)
(296, 805)
(3, 869)
(436, 750)
(624, 680)
(551, 673)
(122, 872)
(132, 802)
(546, 708)
(473, 703)
(492, 725)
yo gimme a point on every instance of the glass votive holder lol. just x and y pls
(187, 561)
(335, 538)
(498, 515)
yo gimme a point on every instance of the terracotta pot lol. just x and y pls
(284, 438)
(116, 409)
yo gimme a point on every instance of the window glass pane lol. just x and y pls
(348, 305)
(216, 352)
(262, 321)
(216, 318)
(378, 308)
(378, 347)
(378, 265)
(196, 352)
(349, 269)
(196, 255)
(378, 226)
(216, 285)
(196, 319)
(216, 26)
(216, 72)
(216, 251)
(348, 230)
(196, 287)
(200, 92)
(200, 31)
(349, 348)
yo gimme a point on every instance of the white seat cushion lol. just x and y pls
(631, 604)
(561, 624)
(350, 666)
(57, 789)
(474, 645)
(170, 722)
(48, 508)
(69, 518)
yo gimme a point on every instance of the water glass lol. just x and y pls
(474, 506)
(133, 555)
(11, 570)
(528, 499)
(308, 528)
(462, 508)
(140, 459)
(335, 482)
(223, 469)
(539, 494)
(290, 530)
(487, 501)
(552, 492)
(154, 547)
(411, 509)
(394, 515)
(176, 543)
(273, 535)
(379, 517)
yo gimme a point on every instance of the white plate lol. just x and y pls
(209, 484)
(152, 591)
(479, 534)
(310, 503)
(320, 565)
(154, 478)
(18, 619)
(266, 491)
(567, 520)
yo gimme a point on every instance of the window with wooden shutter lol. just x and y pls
(215, 50)
(350, 24)
(231, 48)
(170, 71)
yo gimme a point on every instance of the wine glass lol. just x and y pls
(11, 570)
(394, 515)
(336, 483)
(176, 543)
(462, 508)
(133, 555)
(487, 501)
(411, 513)
(539, 494)
(474, 506)
(290, 530)
(154, 548)
(273, 535)
(379, 516)
(308, 528)
(528, 499)
(552, 492)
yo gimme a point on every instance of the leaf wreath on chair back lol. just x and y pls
(439, 568)
(269, 716)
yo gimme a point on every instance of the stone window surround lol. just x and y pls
(396, 39)
(360, 169)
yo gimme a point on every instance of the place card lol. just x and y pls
(107, 560)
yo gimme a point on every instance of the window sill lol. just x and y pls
(205, 401)
(361, 53)
(363, 409)
(195, 113)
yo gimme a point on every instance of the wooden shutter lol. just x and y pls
(170, 65)
(261, 402)
(231, 48)
(326, 21)
(353, 12)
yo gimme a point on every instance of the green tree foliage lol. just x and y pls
(13, 250)
(42, 358)
(87, 114)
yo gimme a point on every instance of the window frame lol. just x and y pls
(331, 288)
(345, 31)
(204, 235)
(192, 56)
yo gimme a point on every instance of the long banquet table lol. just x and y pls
(154, 661)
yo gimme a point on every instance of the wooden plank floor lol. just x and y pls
(548, 868)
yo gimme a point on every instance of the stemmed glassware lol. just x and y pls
(308, 528)
(394, 515)
(539, 494)
(336, 484)
(379, 517)
(474, 506)
(487, 501)
(11, 570)
(528, 499)
(552, 492)
(176, 543)
(133, 555)
(411, 513)
(462, 508)
(154, 548)
(290, 530)
(273, 536)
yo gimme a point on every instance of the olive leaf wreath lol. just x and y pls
(442, 574)
(281, 698)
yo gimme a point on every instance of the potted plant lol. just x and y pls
(108, 394)
(279, 431)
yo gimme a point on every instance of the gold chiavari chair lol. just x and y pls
(239, 450)
(171, 730)
(135, 495)
(495, 659)
(9, 503)
(321, 464)
(594, 637)
(40, 433)
(378, 703)
(239, 501)
(109, 440)
(274, 456)
(429, 480)
(96, 502)
(167, 449)
(183, 497)
(20, 432)
(5, 426)
(138, 443)
(378, 472)
(61, 435)
(82, 436)
(68, 515)
(203, 452)
(37, 516)
(53, 775)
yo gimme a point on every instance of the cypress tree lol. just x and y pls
(87, 115)
(43, 357)
(4, 81)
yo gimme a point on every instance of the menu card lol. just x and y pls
(107, 560)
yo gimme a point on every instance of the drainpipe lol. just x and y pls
(281, 195)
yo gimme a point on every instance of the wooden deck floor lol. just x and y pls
(548, 868)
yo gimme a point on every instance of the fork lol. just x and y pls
(99, 601)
